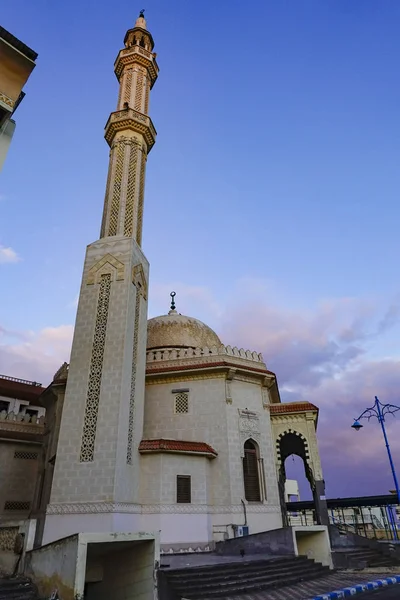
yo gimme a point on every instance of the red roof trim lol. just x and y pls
(292, 407)
(20, 390)
(162, 445)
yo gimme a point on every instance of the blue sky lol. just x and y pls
(271, 196)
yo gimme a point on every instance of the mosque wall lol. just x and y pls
(249, 418)
(224, 421)
(205, 421)
(159, 478)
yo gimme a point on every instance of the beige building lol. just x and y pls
(21, 442)
(17, 62)
(157, 425)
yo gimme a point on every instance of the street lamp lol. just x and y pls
(379, 411)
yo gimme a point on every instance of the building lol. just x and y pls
(156, 425)
(17, 62)
(292, 491)
(22, 433)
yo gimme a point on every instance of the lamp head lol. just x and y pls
(357, 425)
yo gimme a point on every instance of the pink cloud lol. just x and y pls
(35, 355)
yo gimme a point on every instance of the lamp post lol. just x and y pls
(379, 411)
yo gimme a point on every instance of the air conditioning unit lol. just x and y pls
(242, 530)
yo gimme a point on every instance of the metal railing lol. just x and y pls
(372, 522)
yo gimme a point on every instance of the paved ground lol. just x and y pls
(309, 589)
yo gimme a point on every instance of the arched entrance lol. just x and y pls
(292, 442)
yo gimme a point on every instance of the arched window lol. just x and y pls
(250, 472)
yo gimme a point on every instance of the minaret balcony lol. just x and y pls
(137, 54)
(129, 119)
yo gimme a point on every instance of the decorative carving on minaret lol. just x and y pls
(95, 372)
(132, 407)
(139, 280)
(131, 135)
(108, 260)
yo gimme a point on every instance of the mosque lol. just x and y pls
(154, 425)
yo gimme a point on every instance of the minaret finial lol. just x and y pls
(141, 21)
(173, 294)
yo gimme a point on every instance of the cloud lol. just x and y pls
(303, 348)
(35, 355)
(190, 299)
(8, 255)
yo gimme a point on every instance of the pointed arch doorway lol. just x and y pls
(289, 443)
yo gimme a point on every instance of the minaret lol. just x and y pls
(95, 484)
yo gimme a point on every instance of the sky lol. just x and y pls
(271, 201)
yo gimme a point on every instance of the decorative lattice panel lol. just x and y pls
(146, 98)
(8, 536)
(139, 92)
(26, 455)
(133, 380)
(116, 196)
(95, 372)
(139, 224)
(181, 403)
(16, 505)
(130, 190)
(121, 81)
(128, 85)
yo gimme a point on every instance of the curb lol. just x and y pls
(359, 588)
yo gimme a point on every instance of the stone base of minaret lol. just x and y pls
(96, 478)
(63, 520)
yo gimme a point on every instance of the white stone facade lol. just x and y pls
(225, 409)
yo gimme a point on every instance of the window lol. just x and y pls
(4, 405)
(25, 455)
(250, 472)
(16, 505)
(181, 403)
(183, 489)
(4, 115)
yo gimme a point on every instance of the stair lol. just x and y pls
(230, 579)
(362, 557)
(17, 588)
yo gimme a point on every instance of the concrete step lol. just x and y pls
(370, 557)
(217, 570)
(17, 588)
(216, 579)
(253, 588)
(230, 579)
(249, 580)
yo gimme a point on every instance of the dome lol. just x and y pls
(178, 331)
